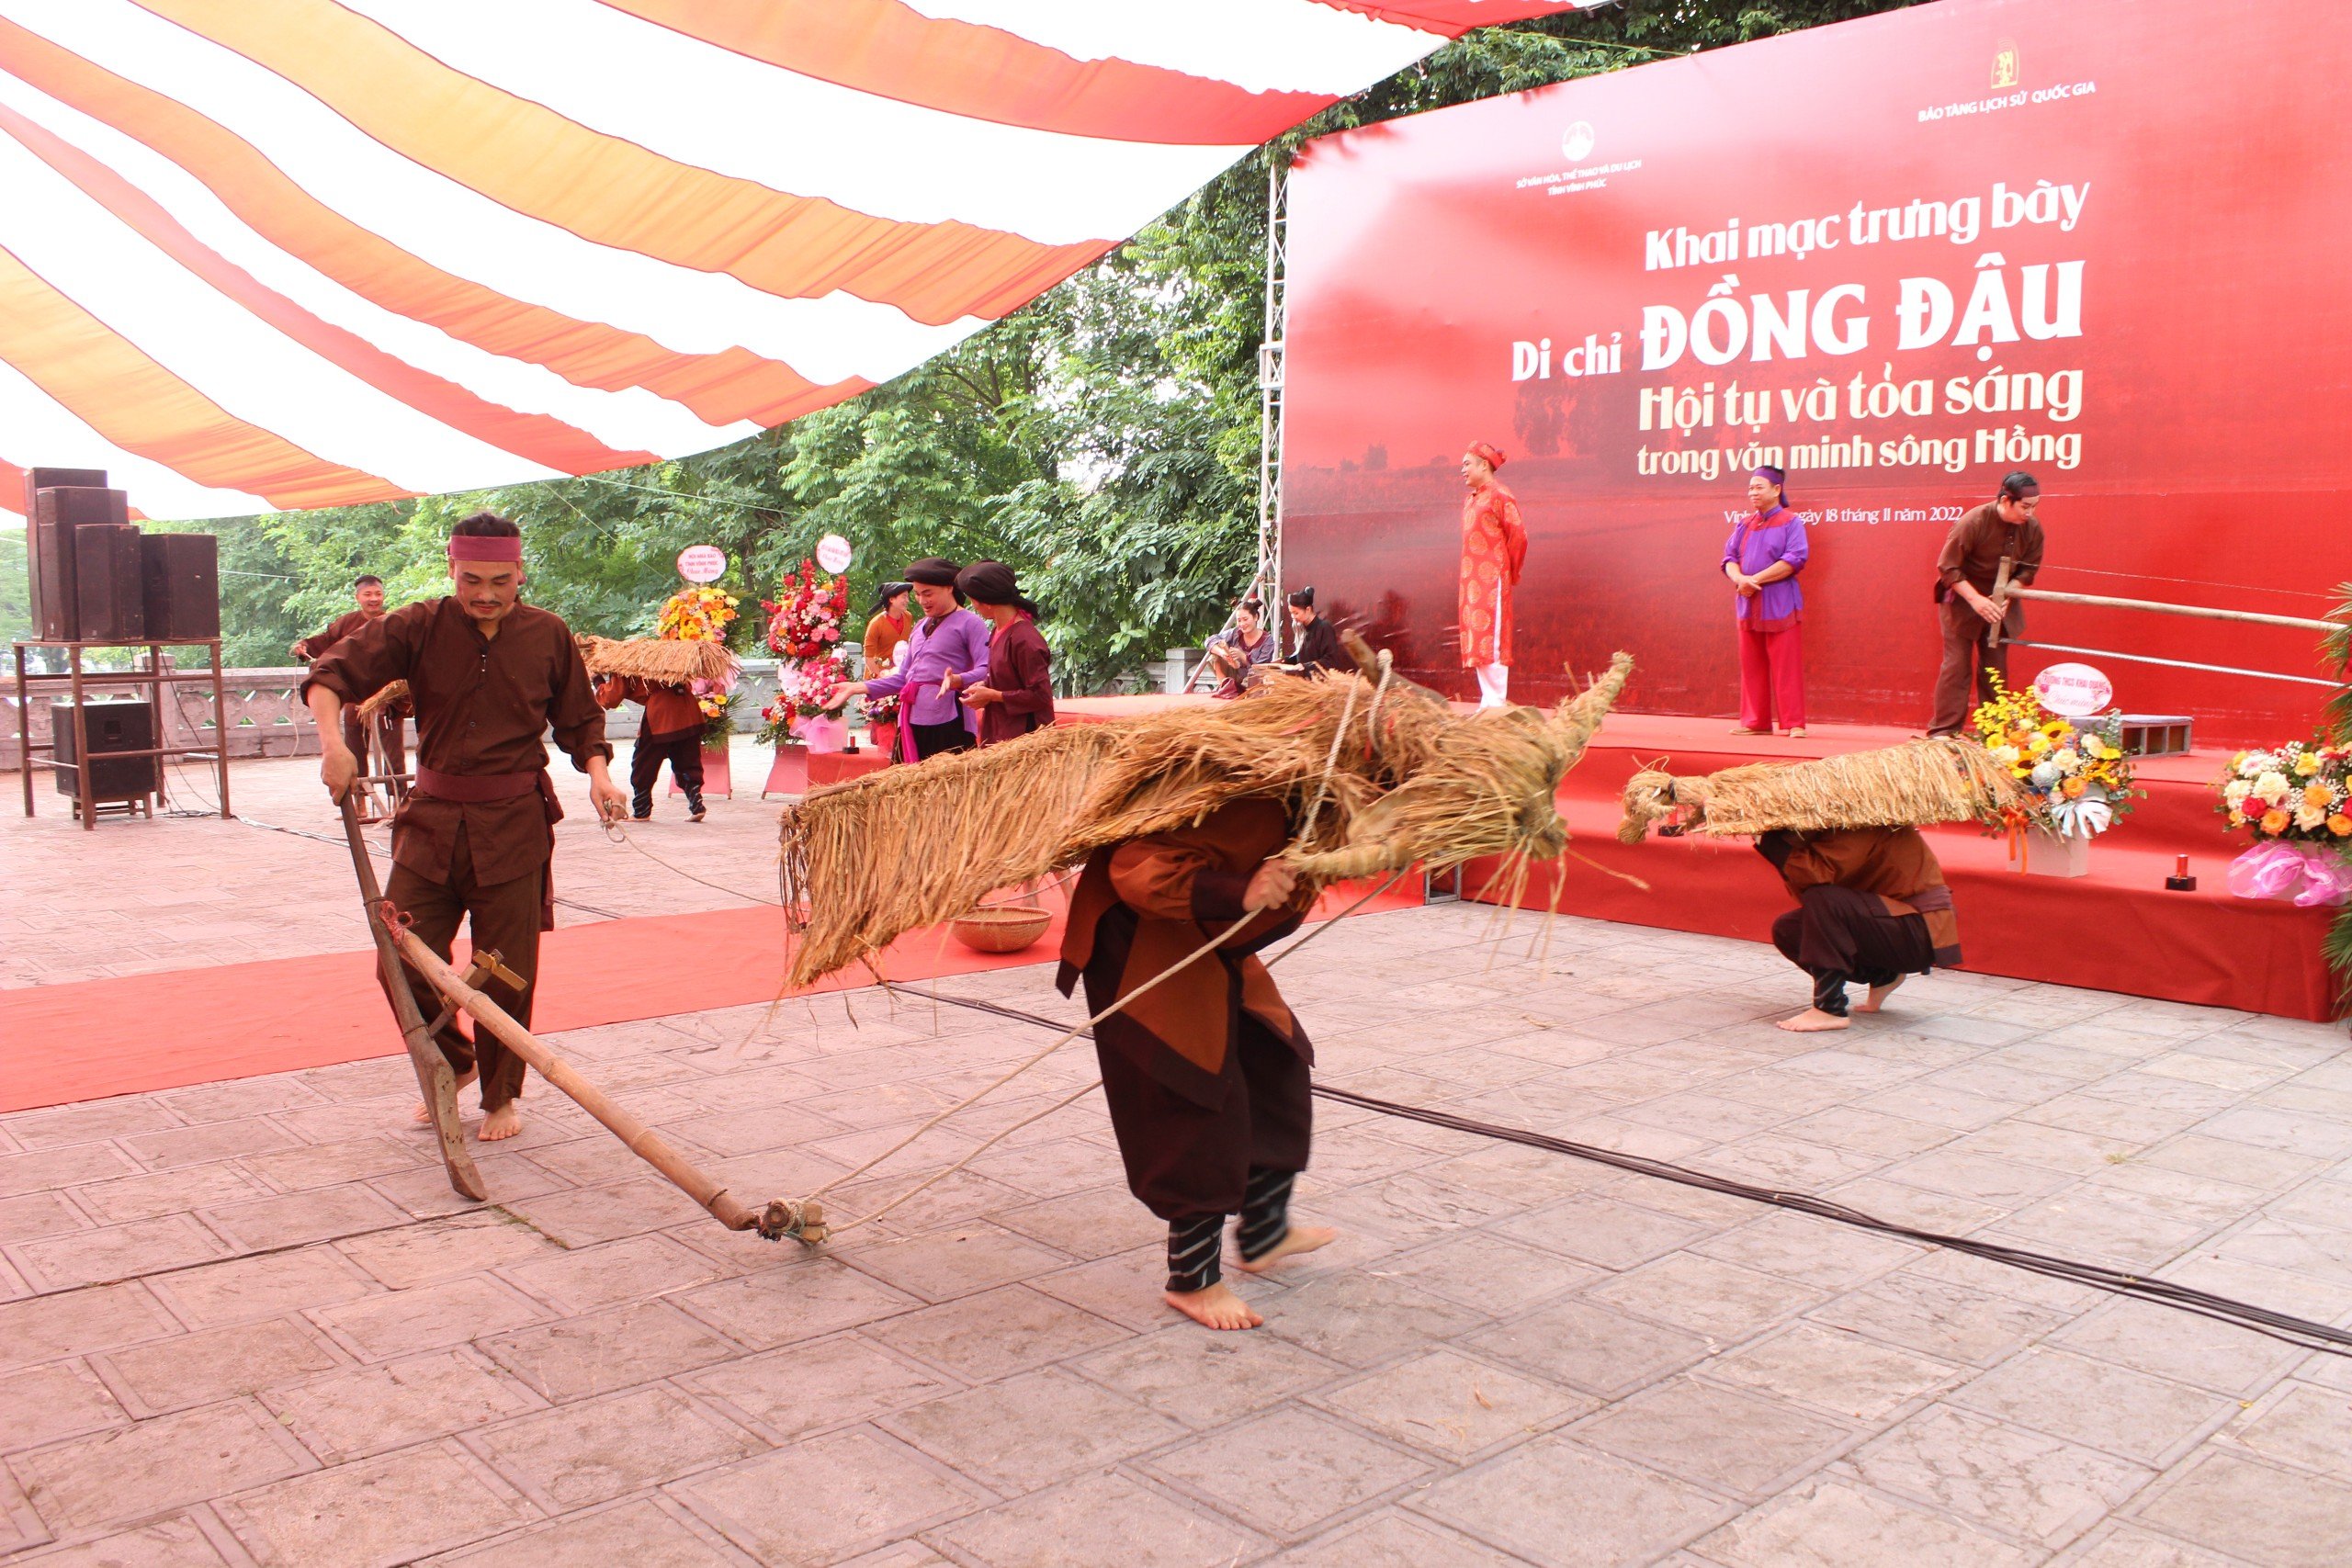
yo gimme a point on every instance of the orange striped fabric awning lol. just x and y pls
(269, 253)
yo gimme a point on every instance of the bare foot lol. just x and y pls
(422, 1115)
(1300, 1238)
(1811, 1020)
(1216, 1307)
(505, 1121)
(1877, 998)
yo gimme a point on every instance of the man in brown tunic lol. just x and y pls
(1871, 907)
(368, 593)
(1207, 1073)
(1965, 573)
(488, 675)
(670, 731)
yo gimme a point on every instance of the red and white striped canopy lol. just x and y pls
(271, 253)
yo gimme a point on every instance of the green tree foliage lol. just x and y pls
(1103, 441)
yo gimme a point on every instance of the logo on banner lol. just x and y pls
(2005, 70)
(702, 563)
(2076, 690)
(1577, 143)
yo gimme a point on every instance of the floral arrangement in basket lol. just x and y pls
(804, 631)
(2076, 778)
(702, 613)
(697, 613)
(2297, 801)
(802, 692)
(805, 618)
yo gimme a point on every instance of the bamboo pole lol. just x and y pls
(779, 1219)
(433, 1078)
(2004, 590)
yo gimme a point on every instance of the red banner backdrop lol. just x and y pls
(2102, 240)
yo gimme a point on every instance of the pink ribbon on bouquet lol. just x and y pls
(2313, 876)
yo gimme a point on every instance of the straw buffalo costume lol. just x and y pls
(671, 731)
(1871, 907)
(944, 653)
(1771, 652)
(474, 840)
(1206, 1074)
(1020, 667)
(1494, 553)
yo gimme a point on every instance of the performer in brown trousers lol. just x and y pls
(488, 675)
(1871, 907)
(1966, 571)
(368, 593)
(671, 731)
(1207, 1073)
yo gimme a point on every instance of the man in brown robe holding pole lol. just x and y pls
(488, 675)
(1871, 907)
(1966, 570)
(368, 593)
(1207, 1073)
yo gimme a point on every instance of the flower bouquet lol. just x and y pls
(2076, 778)
(2297, 801)
(697, 613)
(806, 705)
(805, 617)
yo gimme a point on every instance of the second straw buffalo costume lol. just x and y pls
(944, 654)
(474, 840)
(1206, 1074)
(1871, 907)
(1020, 667)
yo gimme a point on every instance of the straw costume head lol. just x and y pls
(1948, 779)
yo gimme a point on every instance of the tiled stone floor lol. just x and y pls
(246, 1323)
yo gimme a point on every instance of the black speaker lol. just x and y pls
(37, 481)
(55, 513)
(109, 582)
(182, 576)
(116, 724)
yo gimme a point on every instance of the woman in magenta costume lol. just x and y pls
(1762, 558)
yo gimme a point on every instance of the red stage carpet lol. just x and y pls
(2115, 930)
(94, 1038)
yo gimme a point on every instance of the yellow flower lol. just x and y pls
(2317, 794)
(2306, 765)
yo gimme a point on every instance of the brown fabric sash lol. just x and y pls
(476, 789)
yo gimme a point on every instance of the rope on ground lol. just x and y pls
(2279, 1326)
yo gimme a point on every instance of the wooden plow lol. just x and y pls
(775, 1220)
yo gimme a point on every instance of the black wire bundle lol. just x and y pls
(2277, 1325)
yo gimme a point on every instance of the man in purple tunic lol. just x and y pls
(947, 652)
(1762, 558)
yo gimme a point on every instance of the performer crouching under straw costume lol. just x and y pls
(1871, 907)
(488, 675)
(1206, 1074)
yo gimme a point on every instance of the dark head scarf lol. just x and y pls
(936, 572)
(1303, 598)
(890, 591)
(993, 583)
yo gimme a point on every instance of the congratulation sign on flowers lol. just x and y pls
(702, 563)
(834, 553)
(2076, 691)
